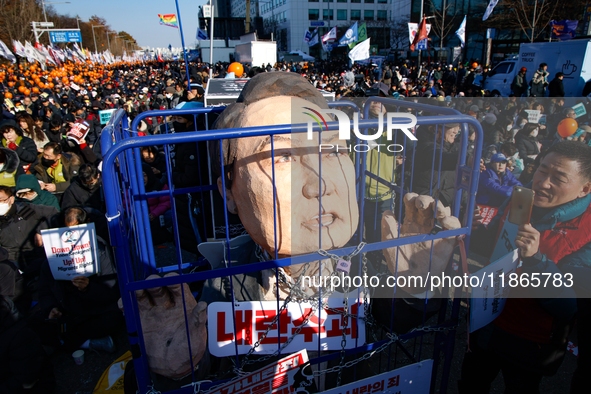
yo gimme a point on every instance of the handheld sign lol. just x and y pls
(488, 300)
(105, 115)
(71, 251)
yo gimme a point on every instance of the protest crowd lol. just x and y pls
(50, 177)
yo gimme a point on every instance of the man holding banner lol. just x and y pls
(528, 340)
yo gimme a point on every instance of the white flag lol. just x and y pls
(489, 9)
(5, 52)
(360, 52)
(30, 52)
(19, 49)
(461, 33)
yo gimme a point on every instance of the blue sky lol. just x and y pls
(140, 18)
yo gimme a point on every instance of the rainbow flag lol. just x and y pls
(168, 20)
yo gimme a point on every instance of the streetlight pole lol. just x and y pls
(78, 25)
(53, 2)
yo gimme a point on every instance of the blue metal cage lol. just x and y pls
(129, 228)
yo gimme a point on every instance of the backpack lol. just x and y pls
(388, 75)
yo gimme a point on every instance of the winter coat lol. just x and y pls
(492, 190)
(69, 172)
(79, 194)
(539, 83)
(26, 148)
(17, 233)
(100, 296)
(556, 88)
(526, 146)
(565, 247)
(519, 85)
(11, 170)
(43, 196)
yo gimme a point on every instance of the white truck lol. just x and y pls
(573, 58)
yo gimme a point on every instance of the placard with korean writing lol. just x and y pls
(71, 251)
(412, 379)
(105, 115)
(487, 302)
(253, 318)
(274, 378)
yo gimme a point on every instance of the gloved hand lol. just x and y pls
(12, 145)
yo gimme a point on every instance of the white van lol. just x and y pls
(572, 58)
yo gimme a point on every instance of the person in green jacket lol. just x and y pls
(29, 190)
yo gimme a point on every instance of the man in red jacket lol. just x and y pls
(528, 340)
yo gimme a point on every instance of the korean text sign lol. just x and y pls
(253, 318)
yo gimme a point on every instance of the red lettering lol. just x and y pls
(264, 318)
(244, 327)
(221, 329)
(308, 332)
(279, 381)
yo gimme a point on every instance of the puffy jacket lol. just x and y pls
(565, 247)
(79, 194)
(17, 232)
(159, 205)
(526, 146)
(492, 190)
(26, 148)
(539, 83)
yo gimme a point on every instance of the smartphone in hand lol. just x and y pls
(522, 202)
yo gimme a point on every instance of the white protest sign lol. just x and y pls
(533, 116)
(253, 318)
(414, 378)
(71, 251)
(488, 300)
(105, 115)
(275, 378)
(579, 110)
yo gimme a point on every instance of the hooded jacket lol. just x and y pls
(43, 196)
(11, 170)
(492, 190)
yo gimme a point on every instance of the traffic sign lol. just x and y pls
(65, 36)
(207, 11)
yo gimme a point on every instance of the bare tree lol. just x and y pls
(443, 20)
(16, 17)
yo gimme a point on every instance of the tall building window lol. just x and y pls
(368, 1)
(327, 15)
(355, 1)
(342, 15)
(355, 15)
(312, 1)
(368, 15)
(341, 1)
(382, 15)
(313, 15)
(328, 1)
(382, 1)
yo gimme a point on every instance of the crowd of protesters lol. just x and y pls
(50, 175)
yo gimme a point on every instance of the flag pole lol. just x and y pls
(183, 43)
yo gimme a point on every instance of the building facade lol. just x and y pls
(288, 20)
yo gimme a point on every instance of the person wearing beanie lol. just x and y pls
(519, 85)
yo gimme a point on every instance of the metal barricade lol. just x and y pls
(129, 227)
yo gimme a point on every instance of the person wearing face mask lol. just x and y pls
(10, 168)
(28, 190)
(85, 190)
(55, 169)
(20, 224)
(172, 97)
(526, 141)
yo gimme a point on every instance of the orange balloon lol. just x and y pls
(51, 85)
(236, 68)
(567, 127)
(474, 65)
(27, 92)
(35, 89)
(8, 95)
(21, 89)
(11, 84)
(41, 85)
